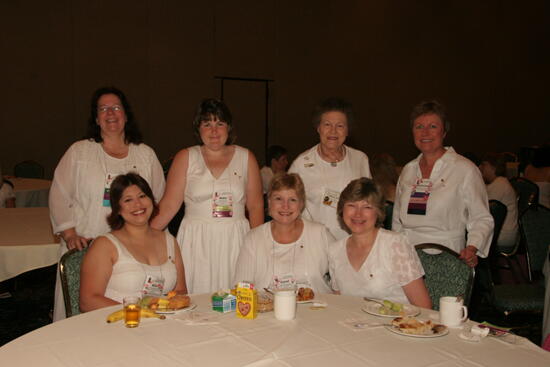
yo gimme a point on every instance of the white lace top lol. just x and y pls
(391, 264)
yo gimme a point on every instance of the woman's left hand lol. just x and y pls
(469, 256)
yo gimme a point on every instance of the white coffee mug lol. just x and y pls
(452, 311)
(284, 304)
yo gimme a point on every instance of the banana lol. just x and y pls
(115, 316)
(145, 313)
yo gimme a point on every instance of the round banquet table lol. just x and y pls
(315, 338)
(26, 241)
(30, 192)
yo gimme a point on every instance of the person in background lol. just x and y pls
(384, 174)
(327, 167)
(538, 171)
(217, 181)
(7, 196)
(79, 196)
(277, 162)
(288, 249)
(373, 262)
(493, 171)
(133, 259)
(440, 197)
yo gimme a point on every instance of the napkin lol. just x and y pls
(360, 324)
(199, 318)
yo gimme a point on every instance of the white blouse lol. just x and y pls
(261, 257)
(457, 205)
(391, 264)
(76, 195)
(501, 189)
(321, 177)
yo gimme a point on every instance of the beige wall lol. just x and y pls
(487, 61)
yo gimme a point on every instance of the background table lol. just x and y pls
(30, 192)
(26, 241)
(315, 338)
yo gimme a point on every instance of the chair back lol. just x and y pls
(388, 206)
(527, 191)
(69, 270)
(498, 211)
(29, 169)
(534, 226)
(446, 274)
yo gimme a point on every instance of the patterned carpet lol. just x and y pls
(29, 306)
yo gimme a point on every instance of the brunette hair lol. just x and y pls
(131, 129)
(497, 160)
(210, 108)
(274, 152)
(116, 191)
(427, 108)
(361, 189)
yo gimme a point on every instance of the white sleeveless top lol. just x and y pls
(129, 275)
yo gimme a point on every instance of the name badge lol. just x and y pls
(330, 198)
(153, 286)
(222, 205)
(418, 202)
(109, 178)
(286, 281)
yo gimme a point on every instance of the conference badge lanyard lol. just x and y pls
(420, 194)
(222, 204)
(109, 178)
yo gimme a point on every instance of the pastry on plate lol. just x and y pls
(305, 294)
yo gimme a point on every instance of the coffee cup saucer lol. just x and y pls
(459, 326)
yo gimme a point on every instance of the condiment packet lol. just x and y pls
(360, 324)
(199, 318)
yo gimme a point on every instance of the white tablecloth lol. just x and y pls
(30, 192)
(315, 338)
(26, 241)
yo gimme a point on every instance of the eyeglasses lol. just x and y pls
(114, 108)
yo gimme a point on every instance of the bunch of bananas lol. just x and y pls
(145, 313)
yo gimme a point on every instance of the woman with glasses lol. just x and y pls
(216, 180)
(79, 196)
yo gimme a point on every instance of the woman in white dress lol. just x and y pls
(374, 262)
(79, 195)
(133, 259)
(328, 167)
(216, 180)
(287, 251)
(440, 195)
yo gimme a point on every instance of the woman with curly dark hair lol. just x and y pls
(133, 259)
(79, 196)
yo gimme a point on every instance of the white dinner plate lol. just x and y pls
(441, 332)
(169, 311)
(373, 308)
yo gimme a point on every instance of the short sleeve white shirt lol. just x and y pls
(391, 264)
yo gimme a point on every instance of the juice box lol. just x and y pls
(224, 302)
(247, 301)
